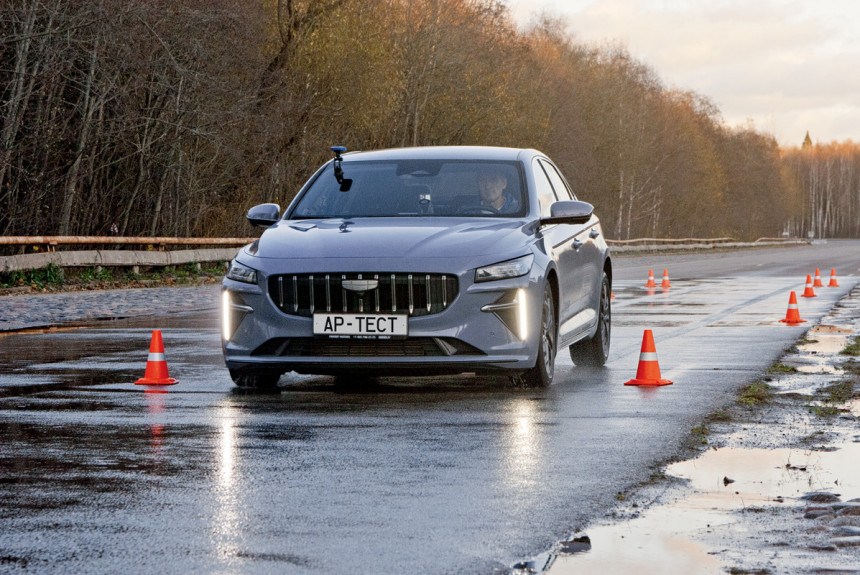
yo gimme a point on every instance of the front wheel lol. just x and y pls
(541, 374)
(594, 352)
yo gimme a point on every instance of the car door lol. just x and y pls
(589, 262)
(561, 238)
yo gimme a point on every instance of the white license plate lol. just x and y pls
(361, 325)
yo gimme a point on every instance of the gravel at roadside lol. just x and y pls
(31, 311)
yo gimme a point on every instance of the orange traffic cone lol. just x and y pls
(665, 283)
(648, 372)
(817, 279)
(156, 365)
(651, 282)
(792, 315)
(808, 291)
(833, 282)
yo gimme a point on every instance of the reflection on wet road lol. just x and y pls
(423, 475)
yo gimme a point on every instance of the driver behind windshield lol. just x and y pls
(492, 184)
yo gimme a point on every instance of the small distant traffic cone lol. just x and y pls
(792, 315)
(817, 279)
(833, 282)
(665, 283)
(651, 282)
(156, 365)
(808, 291)
(648, 372)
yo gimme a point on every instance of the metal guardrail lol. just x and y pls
(51, 242)
(664, 241)
(667, 244)
(162, 257)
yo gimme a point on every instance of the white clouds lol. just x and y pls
(789, 65)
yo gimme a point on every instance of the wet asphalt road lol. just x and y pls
(425, 475)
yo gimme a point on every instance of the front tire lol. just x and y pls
(594, 352)
(541, 374)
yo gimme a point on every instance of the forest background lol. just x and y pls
(173, 117)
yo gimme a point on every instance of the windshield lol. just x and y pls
(415, 188)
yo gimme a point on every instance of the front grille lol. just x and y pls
(415, 293)
(323, 347)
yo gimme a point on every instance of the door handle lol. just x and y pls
(593, 233)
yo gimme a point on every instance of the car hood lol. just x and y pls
(393, 238)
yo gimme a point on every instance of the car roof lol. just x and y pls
(444, 153)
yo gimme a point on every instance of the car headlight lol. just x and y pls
(241, 273)
(503, 270)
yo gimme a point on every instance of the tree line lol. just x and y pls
(172, 117)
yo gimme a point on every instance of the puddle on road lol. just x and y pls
(826, 340)
(645, 546)
(726, 480)
(763, 475)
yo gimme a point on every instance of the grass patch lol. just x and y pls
(720, 416)
(701, 432)
(852, 348)
(824, 410)
(755, 393)
(50, 275)
(55, 278)
(838, 392)
(656, 477)
(781, 368)
(813, 437)
(851, 366)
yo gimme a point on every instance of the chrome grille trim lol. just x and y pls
(411, 300)
(281, 292)
(427, 290)
(416, 294)
(376, 294)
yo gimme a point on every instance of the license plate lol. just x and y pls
(361, 325)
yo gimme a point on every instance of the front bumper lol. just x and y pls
(260, 337)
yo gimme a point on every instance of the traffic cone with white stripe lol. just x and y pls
(648, 372)
(833, 282)
(792, 316)
(156, 365)
(808, 291)
(651, 282)
(817, 279)
(665, 283)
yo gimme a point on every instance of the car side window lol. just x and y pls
(545, 193)
(558, 182)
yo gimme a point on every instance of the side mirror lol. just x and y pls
(264, 215)
(568, 212)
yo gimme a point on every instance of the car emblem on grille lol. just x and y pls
(360, 285)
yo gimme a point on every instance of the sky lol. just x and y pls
(783, 66)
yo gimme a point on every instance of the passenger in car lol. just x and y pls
(492, 183)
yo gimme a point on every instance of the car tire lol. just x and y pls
(594, 351)
(255, 381)
(541, 374)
